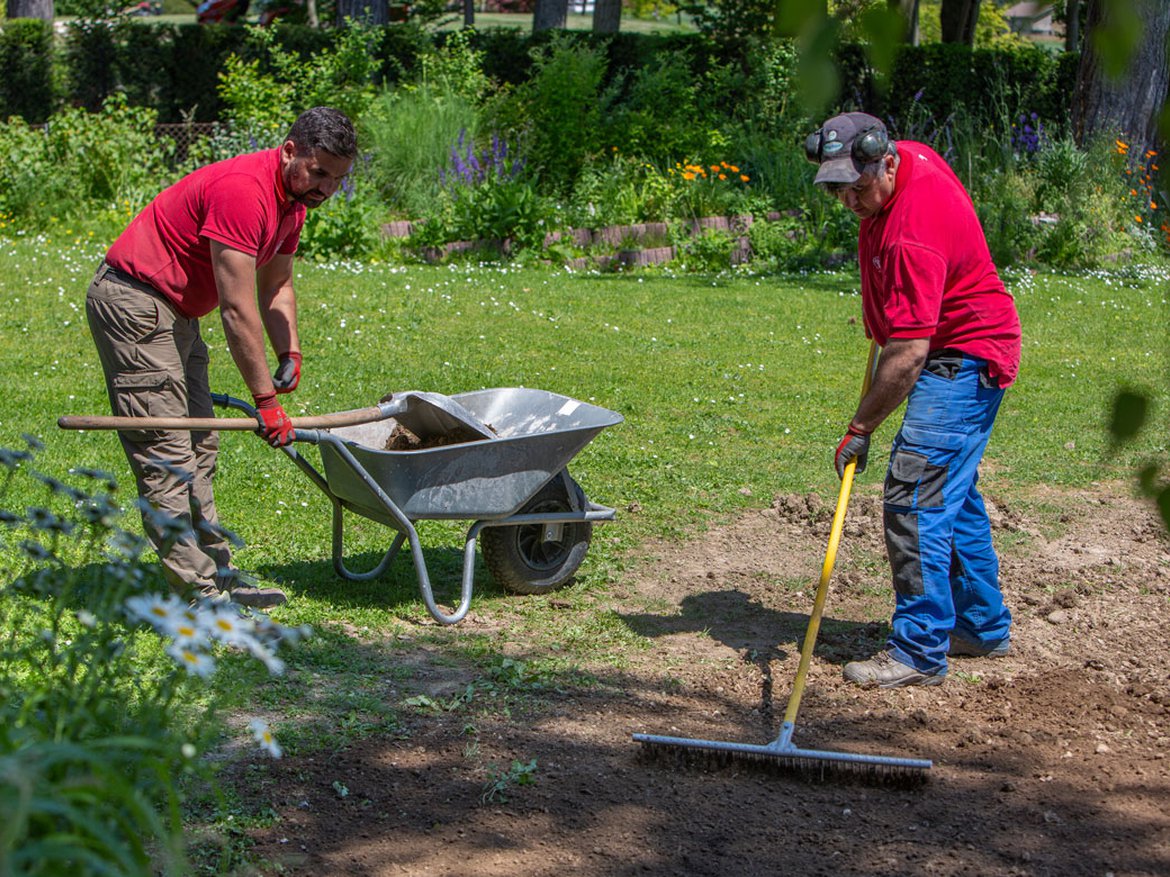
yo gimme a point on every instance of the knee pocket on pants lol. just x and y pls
(913, 482)
(144, 394)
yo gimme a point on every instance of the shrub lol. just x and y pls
(81, 161)
(104, 708)
(346, 226)
(26, 74)
(557, 112)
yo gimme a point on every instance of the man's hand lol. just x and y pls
(275, 426)
(288, 373)
(855, 445)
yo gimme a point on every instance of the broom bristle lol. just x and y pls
(802, 764)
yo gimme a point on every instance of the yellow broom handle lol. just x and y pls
(814, 619)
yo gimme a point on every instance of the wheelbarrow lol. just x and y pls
(533, 521)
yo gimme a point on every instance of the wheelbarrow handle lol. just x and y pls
(214, 424)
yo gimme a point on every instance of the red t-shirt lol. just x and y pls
(239, 202)
(926, 271)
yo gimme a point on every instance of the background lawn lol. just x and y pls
(733, 388)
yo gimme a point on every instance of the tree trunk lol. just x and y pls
(607, 16)
(958, 19)
(365, 11)
(909, 10)
(469, 13)
(549, 14)
(1072, 26)
(42, 9)
(311, 14)
(1126, 106)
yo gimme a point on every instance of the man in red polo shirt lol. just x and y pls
(223, 236)
(950, 339)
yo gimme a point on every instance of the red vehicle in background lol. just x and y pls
(236, 11)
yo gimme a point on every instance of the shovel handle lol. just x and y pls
(214, 424)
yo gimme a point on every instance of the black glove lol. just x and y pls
(855, 445)
(288, 373)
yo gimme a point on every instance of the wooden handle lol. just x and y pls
(218, 424)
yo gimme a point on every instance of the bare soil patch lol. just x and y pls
(1052, 761)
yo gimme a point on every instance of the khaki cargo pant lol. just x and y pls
(155, 363)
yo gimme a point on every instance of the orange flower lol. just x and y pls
(745, 178)
(1137, 219)
(1153, 206)
(714, 168)
(1122, 148)
(723, 176)
(1133, 192)
(733, 169)
(687, 175)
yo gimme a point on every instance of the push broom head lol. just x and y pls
(782, 758)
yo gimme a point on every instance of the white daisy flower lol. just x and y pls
(264, 737)
(156, 609)
(194, 662)
(227, 625)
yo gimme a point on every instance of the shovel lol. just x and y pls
(424, 414)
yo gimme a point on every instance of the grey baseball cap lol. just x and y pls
(838, 165)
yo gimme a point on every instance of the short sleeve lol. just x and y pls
(235, 213)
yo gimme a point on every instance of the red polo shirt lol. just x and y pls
(239, 202)
(926, 271)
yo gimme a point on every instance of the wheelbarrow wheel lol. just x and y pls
(522, 560)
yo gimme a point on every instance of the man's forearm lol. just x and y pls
(897, 369)
(235, 277)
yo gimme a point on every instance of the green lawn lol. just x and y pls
(733, 389)
(725, 383)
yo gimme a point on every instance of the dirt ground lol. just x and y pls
(1052, 761)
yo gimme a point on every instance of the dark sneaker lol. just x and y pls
(257, 598)
(885, 671)
(961, 647)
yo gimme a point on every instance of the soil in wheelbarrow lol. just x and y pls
(402, 439)
(1052, 761)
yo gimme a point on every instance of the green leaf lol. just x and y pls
(883, 27)
(1117, 38)
(1129, 415)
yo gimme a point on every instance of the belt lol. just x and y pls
(946, 362)
(108, 270)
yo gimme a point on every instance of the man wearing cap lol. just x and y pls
(950, 337)
(223, 236)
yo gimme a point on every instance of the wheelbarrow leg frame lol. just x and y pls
(592, 512)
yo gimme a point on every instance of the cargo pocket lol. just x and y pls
(913, 484)
(143, 394)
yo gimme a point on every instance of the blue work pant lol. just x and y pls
(938, 536)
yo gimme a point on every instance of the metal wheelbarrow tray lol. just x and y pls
(533, 520)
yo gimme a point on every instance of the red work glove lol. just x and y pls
(275, 426)
(288, 372)
(855, 445)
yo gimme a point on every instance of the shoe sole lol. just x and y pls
(919, 679)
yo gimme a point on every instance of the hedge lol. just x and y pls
(26, 74)
(174, 68)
